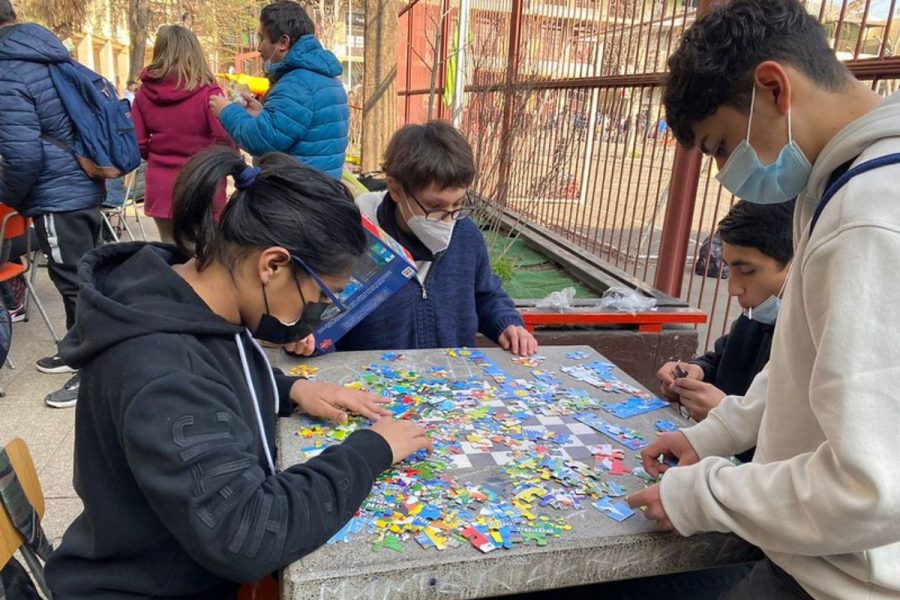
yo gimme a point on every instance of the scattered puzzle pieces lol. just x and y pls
(304, 371)
(526, 426)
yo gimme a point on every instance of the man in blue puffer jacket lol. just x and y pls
(39, 179)
(306, 112)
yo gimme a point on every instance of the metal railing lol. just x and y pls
(562, 107)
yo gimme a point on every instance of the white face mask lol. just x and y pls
(434, 234)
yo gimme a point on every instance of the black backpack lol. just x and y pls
(709, 260)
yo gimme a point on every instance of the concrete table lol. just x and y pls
(596, 549)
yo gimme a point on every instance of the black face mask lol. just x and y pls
(274, 331)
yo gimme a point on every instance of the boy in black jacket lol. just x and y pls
(757, 243)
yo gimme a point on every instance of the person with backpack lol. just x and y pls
(172, 119)
(39, 177)
(756, 85)
(305, 113)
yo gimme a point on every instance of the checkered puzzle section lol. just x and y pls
(488, 421)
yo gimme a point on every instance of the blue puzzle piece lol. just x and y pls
(617, 511)
(664, 425)
(635, 406)
(629, 438)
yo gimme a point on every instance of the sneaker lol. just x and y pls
(17, 314)
(66, 396)
(53, 364)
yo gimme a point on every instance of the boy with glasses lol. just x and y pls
(455, 294)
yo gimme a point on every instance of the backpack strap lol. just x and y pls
(22, 514)
(836, 185)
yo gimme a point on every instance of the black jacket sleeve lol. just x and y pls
(284, 383)
(195, 455)
(709, 362)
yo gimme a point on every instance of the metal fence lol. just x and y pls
(563, 109)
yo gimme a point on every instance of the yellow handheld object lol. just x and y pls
(257, 85)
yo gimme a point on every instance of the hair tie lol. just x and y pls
(247, 178)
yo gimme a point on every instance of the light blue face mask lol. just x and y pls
(766, 312)
(269, 66)
(747, 178)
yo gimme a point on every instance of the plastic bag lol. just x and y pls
(626, 299)
(560, 300)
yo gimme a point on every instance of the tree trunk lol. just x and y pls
(138, 21)
(379, 81)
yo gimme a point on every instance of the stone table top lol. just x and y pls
(596, 549)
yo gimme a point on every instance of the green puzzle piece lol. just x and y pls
(534, 536)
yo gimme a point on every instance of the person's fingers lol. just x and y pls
(504, 340)
(331, 412)
(514, 340)
(638, 499)
(685, 384)
(652, 464)
(666, 375)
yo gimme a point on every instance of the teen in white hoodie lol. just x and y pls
(822, 496)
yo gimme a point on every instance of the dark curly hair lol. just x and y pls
(715, 62)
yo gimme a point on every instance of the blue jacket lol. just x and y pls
(461, 297)
(36, 176)
(305, 113)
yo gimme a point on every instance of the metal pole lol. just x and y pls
(676, 231)
(512, 72)
(461, 54)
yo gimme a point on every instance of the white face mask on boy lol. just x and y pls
(435, 235)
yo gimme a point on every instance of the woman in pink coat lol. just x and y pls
(172, 118)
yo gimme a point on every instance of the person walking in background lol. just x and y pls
(130, 90)
(39, 178)
(305, 113)
(173, 120)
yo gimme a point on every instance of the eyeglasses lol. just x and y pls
(336, 307)
(439, 214)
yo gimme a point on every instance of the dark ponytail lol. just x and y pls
(286, 204)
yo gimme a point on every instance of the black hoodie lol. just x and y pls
(179, 500)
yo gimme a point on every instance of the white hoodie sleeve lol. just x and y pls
(844, 496)
(732, 427)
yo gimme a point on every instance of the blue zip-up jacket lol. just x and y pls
(461, 297)
(305, 113)
(36, 176)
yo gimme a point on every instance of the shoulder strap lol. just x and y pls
(835, 187)
(22, 514)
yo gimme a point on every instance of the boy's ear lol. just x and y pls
(394, 187)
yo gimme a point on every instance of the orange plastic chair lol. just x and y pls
(15, 225)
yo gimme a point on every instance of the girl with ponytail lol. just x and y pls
(174, 433)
